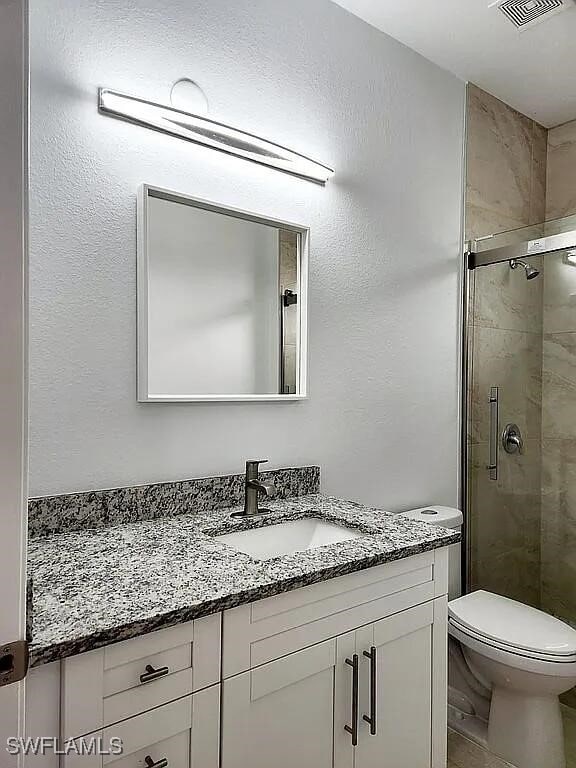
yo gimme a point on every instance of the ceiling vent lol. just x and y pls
(526, 13)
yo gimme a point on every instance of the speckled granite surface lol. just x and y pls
(100, 586)
(96, 509)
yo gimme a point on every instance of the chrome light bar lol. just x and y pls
(210, 134)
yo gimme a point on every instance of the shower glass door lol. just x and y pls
(520, 456)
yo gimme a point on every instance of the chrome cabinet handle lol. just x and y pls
(353, 729)
(371, 719)
(162, 763)
(153, 674)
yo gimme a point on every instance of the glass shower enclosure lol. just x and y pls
(519, 399)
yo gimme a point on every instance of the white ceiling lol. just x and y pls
(533, 71)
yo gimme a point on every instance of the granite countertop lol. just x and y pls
(99, 586)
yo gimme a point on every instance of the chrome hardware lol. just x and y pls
(13, 662)
(353, 729)
(371, 719)
(512, 440)
(493, 461)
(252, 487)
(162, 763)
(153, 674)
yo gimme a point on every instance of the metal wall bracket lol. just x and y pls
(13, 662)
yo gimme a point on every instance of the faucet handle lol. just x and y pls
(252, 468)
(254, 463)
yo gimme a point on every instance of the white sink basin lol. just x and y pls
(285, 538)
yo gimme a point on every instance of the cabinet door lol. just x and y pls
(395, 657)
(281, 714)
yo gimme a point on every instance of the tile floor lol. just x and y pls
(463, 753)
(570, 735)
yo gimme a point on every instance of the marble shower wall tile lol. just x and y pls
(505, 299)
(559, 294)
(483, 221)
(95, 509)
(559, 527)
(506, 159)
(559, 386)
(512, 361)
(505, 523)
(561, 189)
(539, 173)
(499, 156)
(505, 190)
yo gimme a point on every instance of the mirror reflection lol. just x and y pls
(220, 302)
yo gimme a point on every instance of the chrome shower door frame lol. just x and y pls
(472, 260)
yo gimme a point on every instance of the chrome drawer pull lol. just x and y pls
(162, 763)
(353, 729)
(372, 719)
(153, 674)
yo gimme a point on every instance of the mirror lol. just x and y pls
(221, 302)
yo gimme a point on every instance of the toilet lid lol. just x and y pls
(512, 625)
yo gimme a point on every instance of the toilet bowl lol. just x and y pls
(508, 664)
(526, 659)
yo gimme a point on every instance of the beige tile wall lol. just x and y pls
(561, 192)
(559, 439)
(558, 547)
(505, 189)
(506, 167)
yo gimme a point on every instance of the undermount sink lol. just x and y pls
(288, 537)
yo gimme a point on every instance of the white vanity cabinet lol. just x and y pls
(319, 662)
(158, 695)
(346, 673)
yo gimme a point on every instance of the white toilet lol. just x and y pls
(508, 664)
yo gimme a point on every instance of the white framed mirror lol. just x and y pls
(222, 302)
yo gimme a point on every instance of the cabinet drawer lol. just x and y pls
(119, 681)
(160, 734)
(184, 733)
(268, 629)
(175, 750)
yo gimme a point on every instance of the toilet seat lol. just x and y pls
(512, 633)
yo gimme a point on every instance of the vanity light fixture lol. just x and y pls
(201, 130)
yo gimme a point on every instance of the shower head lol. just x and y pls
(531, 272)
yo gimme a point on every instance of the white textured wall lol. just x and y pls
(382, 413)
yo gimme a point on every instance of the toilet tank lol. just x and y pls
(447, 517)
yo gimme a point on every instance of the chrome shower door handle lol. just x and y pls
(493, 445)
(512, 440)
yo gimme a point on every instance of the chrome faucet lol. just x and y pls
(253, 486)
